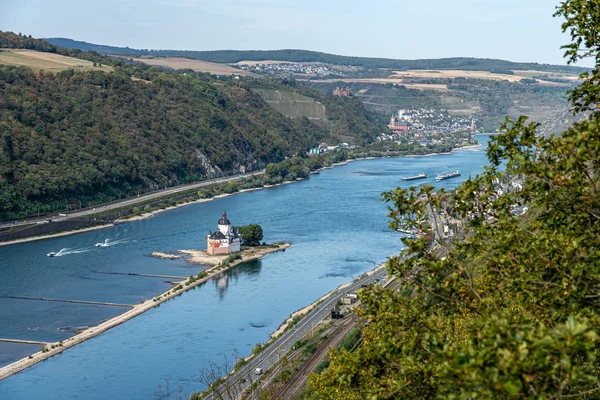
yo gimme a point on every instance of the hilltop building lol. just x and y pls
(225, 240)
(342, 92)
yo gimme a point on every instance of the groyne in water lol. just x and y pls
(99, 303)
(146, 275)
(23, 341)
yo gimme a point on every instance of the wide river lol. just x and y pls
(338, 229)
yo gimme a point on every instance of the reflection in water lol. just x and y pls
(250, 268)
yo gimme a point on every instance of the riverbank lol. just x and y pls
(53, 235)
(52, 349)
(150, 214)
(304, 310)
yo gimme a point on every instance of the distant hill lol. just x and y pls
(79, 136)
(234, 56)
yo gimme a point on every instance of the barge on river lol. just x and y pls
(447, 176)
(422, 175)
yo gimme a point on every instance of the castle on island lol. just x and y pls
(225, 240)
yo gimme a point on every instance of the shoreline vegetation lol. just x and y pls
(54, 348)
(145, 214)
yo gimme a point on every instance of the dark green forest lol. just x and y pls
(75, 138)
(234, 56)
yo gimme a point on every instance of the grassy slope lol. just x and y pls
(37, 61)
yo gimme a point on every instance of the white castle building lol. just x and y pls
(225, 240)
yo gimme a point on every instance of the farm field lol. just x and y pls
(196, 65)
(51, 62)
(447, 74)
(532, 73)
(396, 81)
(406, 78)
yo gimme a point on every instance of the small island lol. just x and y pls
(228, 246)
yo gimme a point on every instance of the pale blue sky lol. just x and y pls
(516, 30)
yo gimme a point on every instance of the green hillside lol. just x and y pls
(75, 137)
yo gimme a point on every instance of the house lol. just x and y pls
(349, 298)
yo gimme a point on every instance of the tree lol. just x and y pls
(510, 311)
(252, 234)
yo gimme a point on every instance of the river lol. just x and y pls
(335, 221)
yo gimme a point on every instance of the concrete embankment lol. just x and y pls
(51, 349)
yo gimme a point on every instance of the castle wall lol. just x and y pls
(217, 250)
(235, 247)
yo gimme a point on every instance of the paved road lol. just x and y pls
(236, 383)
(126, 202)
(435, 222)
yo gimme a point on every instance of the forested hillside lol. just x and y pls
(234, 56)
(75, 137)
(509, 310)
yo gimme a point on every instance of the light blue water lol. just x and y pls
(335, 221)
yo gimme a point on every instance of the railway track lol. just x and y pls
(296, 384)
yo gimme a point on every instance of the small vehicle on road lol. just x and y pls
(258, 371)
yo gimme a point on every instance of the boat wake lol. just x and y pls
(108, 242)
(67, 251)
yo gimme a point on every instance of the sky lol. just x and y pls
(515, 30)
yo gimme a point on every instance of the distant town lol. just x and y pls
(425, 122)
(289, 69)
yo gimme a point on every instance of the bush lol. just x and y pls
(322, 366)
(311, 348)
(258, 347)
(351, 339)
(251, 234)
(202, 274)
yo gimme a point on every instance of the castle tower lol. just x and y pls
(224, 225)
(225, 240)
